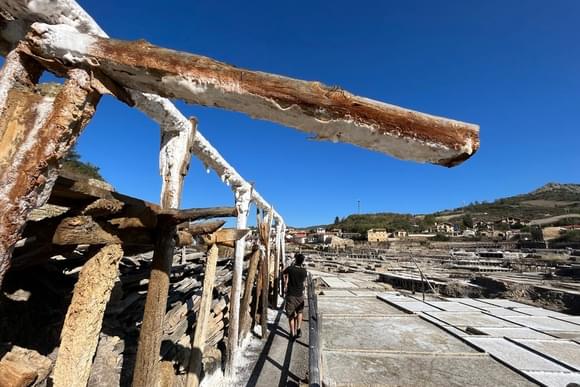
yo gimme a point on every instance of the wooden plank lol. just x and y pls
(37, 130)
(199, 338)
(329, 112)
(83, 321)
(245, 307)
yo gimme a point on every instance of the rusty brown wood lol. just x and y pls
(329, 112)
(147, 366)
(37, 129)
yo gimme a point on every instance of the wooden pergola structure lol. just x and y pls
(39, 124)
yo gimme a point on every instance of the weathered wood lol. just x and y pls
(198, 344)
(225, 237)
(83, 230)
(264, 296)
(103, 207)
(174, 158)
(146, 372)
(192, 214)
(37, 130)
(242, 205)
(84, 318)
(13, 374)
(245, 307)
(328, 112)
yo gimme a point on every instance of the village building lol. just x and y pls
(377, 235)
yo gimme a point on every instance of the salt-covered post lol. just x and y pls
(283, 246)
(37, 129)
(174, 158)
(277, 260)
(243, 197)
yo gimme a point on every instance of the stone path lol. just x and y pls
(281, 362)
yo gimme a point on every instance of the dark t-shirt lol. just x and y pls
(296, 277)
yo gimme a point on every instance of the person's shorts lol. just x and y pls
(294, 304)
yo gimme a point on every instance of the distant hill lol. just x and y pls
(552, 199)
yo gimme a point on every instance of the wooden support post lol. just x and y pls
(84, 318)
(243, 196)
(199, 338)
(265, 228)
(37, 128)
(264, 273)
(174, 158)
(259, 286)
(277, 264)
(245, 307)
(146, 371)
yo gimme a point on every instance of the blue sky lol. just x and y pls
(513, 67)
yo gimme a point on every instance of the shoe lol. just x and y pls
(299, 333)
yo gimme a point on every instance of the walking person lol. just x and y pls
(294, 278)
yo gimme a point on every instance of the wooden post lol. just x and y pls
(174, 158)
(84, 318)
(245, 307)
(199, 338)
(265, 270)
(146, 372)
(243, 196)
(37, 128)
(259, 285)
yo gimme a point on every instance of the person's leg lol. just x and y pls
(299, 321)
(292, 325)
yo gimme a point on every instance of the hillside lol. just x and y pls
(550, 200)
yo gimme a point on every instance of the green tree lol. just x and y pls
(73, 165)
(467, 221)
(336, 220)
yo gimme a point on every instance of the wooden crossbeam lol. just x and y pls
(328, 112)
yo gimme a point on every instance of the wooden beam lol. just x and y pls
(83, 321)
(328, 112)
(37, 129)
(199, 338)
(245, 307)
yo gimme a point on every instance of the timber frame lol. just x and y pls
(39, 124)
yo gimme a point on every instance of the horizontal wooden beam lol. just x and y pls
(328, 112)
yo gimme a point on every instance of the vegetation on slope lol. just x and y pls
(550, 200)
(73, 166)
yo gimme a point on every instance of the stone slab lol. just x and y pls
(355, 305)
(407, 333)
(544, 323)
(564, 351)
(555, 379)
(514, 355)
(469, 319)
(514, 333)
(368, 369)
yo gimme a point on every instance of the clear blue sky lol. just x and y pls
(513, 67)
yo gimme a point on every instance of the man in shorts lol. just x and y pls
(294, 277)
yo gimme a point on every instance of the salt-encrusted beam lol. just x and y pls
(328, 112)
(161, 110)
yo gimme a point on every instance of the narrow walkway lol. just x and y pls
(281, 362)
